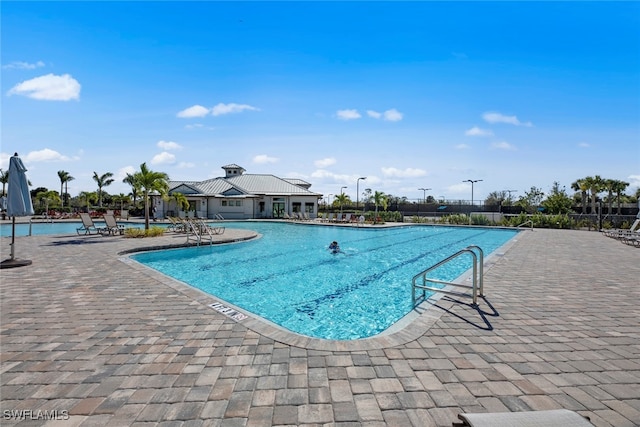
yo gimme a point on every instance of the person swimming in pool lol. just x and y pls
(334, 247)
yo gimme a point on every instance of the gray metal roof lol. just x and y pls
(267, 184)
(248, 184)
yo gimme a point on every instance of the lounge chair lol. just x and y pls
(551, 418)
(88, 227)
(111, 226)
(124, 214)
(177, 225)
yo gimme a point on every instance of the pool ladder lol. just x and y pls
(421, 281)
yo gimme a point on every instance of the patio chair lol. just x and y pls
(88, 227)
(111, 226)
(551, 418)
(124, 214)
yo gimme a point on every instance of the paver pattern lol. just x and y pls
(106, 342)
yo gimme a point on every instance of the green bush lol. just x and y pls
(140, 232)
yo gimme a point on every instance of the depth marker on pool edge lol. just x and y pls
(228, 311)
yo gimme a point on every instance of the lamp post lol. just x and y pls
(472, 181)
(329, 200)
(508, 198)
(358, 191)
(424, 194)
(341, 197)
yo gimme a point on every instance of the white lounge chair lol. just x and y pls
(88, 227)
(551, 418)
(111, 226)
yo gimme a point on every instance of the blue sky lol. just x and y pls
(411, 95)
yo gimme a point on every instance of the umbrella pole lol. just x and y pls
(13, 238)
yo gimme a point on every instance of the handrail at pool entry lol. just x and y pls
(477, 279)
(526, 222)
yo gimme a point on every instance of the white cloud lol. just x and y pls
(462, 147)
(49, 88)
(21, 65)
(392, 115)
(221, 108)
(476, 131)
(123, 172)
(186, 165)
(403, 173)
(323, 163)
(46, 155)
(494, 117)
(348, 114)
(163, 158)
(634, 180)
(193, 111)
(502, 145)
(168, 145)
(262, 159)
(462, 188)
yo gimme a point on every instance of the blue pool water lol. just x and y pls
(290, 277)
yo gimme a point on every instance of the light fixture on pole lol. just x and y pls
(358, 191)
(472, 181)
(424, 194)
(341, 196)
(329, 199)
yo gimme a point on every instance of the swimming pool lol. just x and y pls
(290, 278)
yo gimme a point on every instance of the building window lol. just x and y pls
(296, 206)
(224, 203)
(238, 202)
(308, 207)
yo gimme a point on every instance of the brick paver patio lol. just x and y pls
(93, 339)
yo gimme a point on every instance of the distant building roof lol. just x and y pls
(244, 184)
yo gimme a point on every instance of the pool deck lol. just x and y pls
(88, 333)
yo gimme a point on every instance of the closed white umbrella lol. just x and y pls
(18, 204)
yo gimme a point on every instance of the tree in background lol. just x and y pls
(88, 197)
(4, 179)
(617, 187)
(64, 179)
(558, 202)
(341, 199)
(380, 199)
(130, 179)
(583, 187)
(530, 199)
(596, 185)
(102, 181)
(149, 181)
(48, 198)
(182, 204)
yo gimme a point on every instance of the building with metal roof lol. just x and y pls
(239, 195)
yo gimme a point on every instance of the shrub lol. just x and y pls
(140, 232)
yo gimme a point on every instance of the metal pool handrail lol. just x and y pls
(477, 279)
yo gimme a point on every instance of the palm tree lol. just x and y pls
(379, 199)
(4, 179)
(102, 181)
(149, 181)
(596, 185)
(618, 188)
(88, 197)
(582, 186)
(64, 179)
(182, 204)
(130, 179)
(47, 198)
(342, 199)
